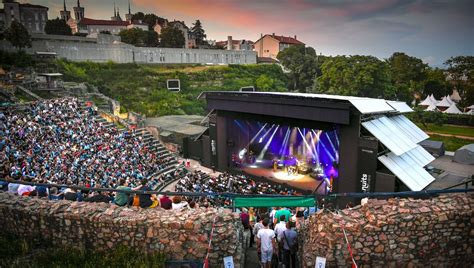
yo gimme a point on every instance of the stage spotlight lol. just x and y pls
(262, 153)
(304, 140)
(265, 135)
(242, 153)
(258, 133)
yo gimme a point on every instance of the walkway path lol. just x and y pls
(450, 135)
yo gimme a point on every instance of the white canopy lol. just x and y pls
(470, 107)
(453, 110)
(449, 99)
(431, 108)
(455, 96)
(471, 112)
(426, 102)
(433, 99)
(443, 103)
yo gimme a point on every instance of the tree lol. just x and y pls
(172, 37)
(264, 82)
(302, 65)
(436, 84)
(364, 76)
(139, 37)
(18, 35)
(407, 75)
(138, 16)
(57, 26)
(461, 74)
(198, 32)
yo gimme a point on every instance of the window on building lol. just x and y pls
(36, 16)
(43, 16)
(37, 26)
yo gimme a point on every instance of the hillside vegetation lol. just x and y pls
(142, 88)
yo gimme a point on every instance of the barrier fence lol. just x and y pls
(425, 193)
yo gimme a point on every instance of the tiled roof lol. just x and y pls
(287, 40)
(284, 39)
(87, 21)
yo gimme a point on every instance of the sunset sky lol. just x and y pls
(431, 30)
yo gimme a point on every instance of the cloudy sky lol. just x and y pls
(431, 30)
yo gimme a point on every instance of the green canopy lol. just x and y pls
(290, 201)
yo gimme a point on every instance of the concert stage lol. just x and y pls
(298, 181)
(351, 144)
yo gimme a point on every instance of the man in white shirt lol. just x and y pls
(266, 241)
(280, 228)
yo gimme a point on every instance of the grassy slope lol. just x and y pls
(449, 129)
(142, 88)
(450, 143)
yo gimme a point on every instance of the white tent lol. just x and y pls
(426, 102)
(452, 110)
(444, 103)
(433, 99)
(471, 112)
(470, 108)
(432, 108)
(455, 96)
(449, 99)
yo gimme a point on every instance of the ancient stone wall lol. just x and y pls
(396, 233)
(99, 50)
(99, 226)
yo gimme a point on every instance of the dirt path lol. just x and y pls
(450, 135)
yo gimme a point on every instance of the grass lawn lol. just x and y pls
(451, 143)
(449, 129)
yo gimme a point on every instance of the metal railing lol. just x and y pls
(424, 193)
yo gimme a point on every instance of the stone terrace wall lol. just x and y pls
(99, 226)
(396, 233)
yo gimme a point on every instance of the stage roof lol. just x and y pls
(362, 104)
(409, 169)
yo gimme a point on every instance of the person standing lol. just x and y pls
(290, 245)
(266, 242)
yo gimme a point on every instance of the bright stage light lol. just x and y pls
(262, 153)
(242, 153)
(258, 161)
(260, 140)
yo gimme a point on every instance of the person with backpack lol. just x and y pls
(290, 245)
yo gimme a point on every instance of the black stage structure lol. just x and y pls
(364, 158)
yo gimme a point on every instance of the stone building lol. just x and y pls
(33, 17)
(231, 44)
(269, 45)
(88, 26)
(65, 14)
(189, 39)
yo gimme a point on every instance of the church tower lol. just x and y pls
(65, 14)
(116, 16)
(78, 11)
(128, 16)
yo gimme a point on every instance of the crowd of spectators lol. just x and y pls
(57, 141)
(227, 183)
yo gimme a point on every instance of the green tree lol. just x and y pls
(138, 16)
(264, 82)
(435, 83)
(198, 32)
(461, 74)
(139, 37)
(406, 72)
(57, 26)
(301, 63)
(172, 37)
(364, 76)
(18, 35)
